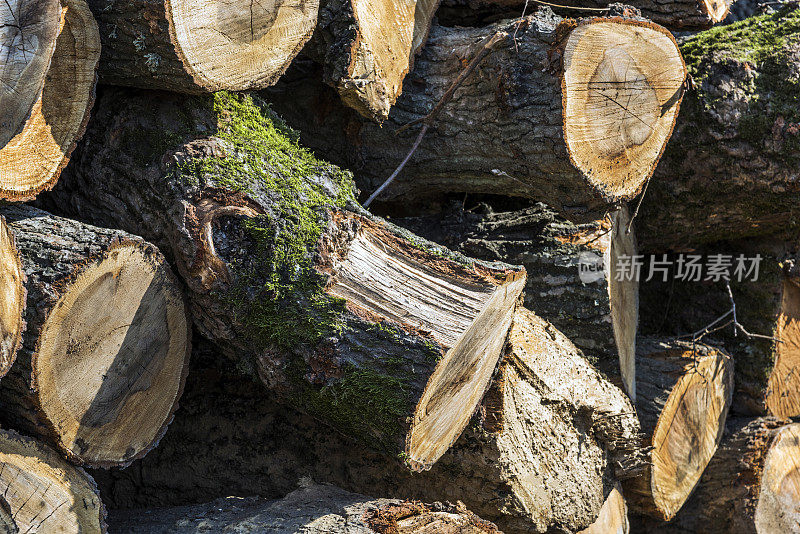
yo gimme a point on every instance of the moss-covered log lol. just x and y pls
(526, 122)
(732, 167)
(375, 331)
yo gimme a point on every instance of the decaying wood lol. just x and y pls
(613, 518)
(196, 47)
(311, 509)
(683, 395)
(12, 299)
(573, 113)
(105, 351)
(32, 159)
(44, 493)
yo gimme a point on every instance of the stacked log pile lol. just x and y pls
(466, 354)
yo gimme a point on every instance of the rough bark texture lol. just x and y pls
(12, 299)
(731, 167)
(101, 389)
(504, 131)
(311, 509)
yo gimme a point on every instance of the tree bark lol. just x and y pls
(382, 335)
(198, 47)
(737, 143)
(613, 518)
(510, 129)
(101, 386)
(43, 492)
(683, 396)
(32, 160)
(311, 509)
(12, 299)
(595, 310)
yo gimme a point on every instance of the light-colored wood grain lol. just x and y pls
(783, 387)
(12, 299)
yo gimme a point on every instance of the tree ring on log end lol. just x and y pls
(12, 299)
(621, 91)
(237, 46)
(33, 159)
(783, 387)
(112, 355)
(778, 508)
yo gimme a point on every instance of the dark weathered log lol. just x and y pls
(105, 351)
(311, 509)
(33, 157)
(613, 518)
(683, 396)
(12, 299)
(540, 455)
(378, 333)
(43, 492)
(732, 168)
(196, 47)
(596, 311)
(541, 116)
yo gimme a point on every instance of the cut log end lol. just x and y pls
(32, 160)
(717, 10)
(778, 508)
(43, 492)
(239, 46)
(621, 89)
(12, 299)
(783, 386)
(623, 298)
(112, 357)
(613, 518)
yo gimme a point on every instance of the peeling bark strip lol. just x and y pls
(200, 46)
(732, 168)
(12, 299)
(312, 509)
(378, 333)
(596, 311)
(32, 159)
(501, 132)
(44, 493)
(105, 352)
(684, 393)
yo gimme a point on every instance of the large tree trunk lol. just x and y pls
(43, 492)
(197, 47)
(32, 158)
(541, 454)
(684, 392)
(731, 168)
(12, 299)
(382, 335)
(311, 509)
(105, 351)
(596, 310)
(525, 123)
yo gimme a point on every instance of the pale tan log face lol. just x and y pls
(778, 508)
(621, 91)
(235, 45)
(716, 9)
(12, 299)
(613, 518)
(32, 160)
(111, 358)
(783, 387)
(623, 298)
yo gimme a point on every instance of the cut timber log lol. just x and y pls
(196, 47)
(105, 351)
(43, 492)
(572, 113)
(368, 47)
(28, 32)
(382, 335)
(613, 518)
(596, 311)
(683, 396)
(540, 455)
(12, 299)
(7, 523)
(312, 509)
(33, 158)
(737, 142)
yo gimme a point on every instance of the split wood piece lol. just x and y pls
(617, 82)
(7, 523)
(683, 396)
(32, 160)
(733, 148)
(28, 32)
(380, 334)
(367, 48)
(613, 518)
(312, 509)
(105, 352)
(44, 493)
(572, 272)
(12, 299)
(197, 47)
